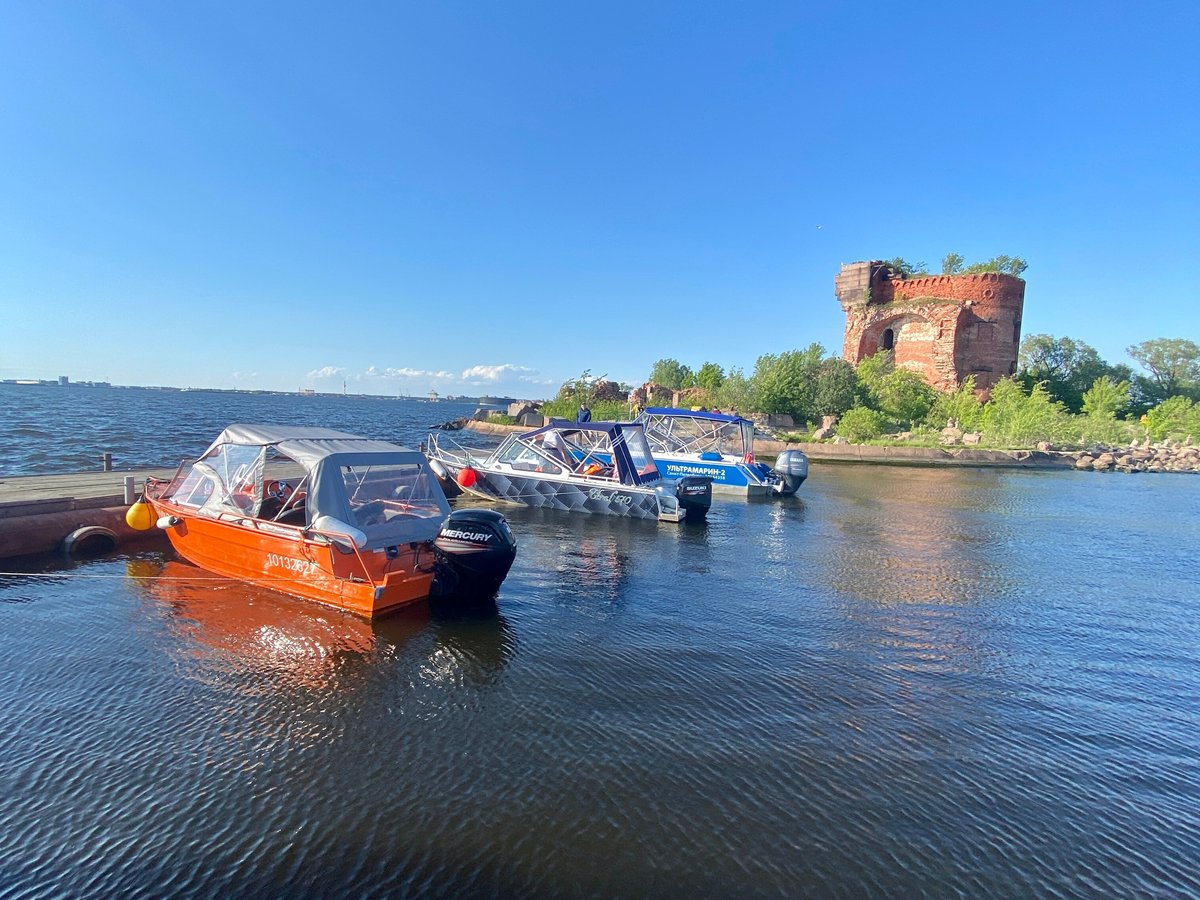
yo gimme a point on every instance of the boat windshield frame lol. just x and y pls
(682, 431)
(619, 444)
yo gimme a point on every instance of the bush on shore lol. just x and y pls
(878, 401)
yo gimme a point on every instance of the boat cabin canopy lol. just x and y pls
(672, 430)
(619, 444)
(310, 476)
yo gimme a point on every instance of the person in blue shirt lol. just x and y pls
(585, 414)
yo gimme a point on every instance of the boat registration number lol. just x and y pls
(288, 564)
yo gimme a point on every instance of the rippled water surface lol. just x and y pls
(903, 682)
(51, 429)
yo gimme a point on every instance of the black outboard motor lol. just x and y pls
(791, 467)
(694, 493)
(475, 550)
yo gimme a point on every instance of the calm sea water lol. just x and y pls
(903, 682)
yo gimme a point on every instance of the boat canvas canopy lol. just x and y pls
(305, 445)
(345, 477)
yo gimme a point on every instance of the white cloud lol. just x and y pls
(327, 372)
(503, 378)
(492, 374)
(244, 376)
(405, 372)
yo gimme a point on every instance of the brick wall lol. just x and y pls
(944, 327)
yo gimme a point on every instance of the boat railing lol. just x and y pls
(471, 456)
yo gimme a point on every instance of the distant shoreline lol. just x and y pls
(302, 392)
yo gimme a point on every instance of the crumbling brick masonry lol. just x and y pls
(943, 327)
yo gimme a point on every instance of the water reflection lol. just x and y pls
(584, 562)
(919, 536)
(248, 629)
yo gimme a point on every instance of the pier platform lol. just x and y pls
(42, 514)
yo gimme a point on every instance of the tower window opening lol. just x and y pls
(888, 340)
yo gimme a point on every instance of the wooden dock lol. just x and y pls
(42, 514)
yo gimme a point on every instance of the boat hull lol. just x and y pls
(282, 558)
(728, 479)
(604, 498)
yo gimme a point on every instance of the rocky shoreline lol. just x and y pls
(1166, 456)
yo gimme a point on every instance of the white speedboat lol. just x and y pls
(603, 468)
(721, 447)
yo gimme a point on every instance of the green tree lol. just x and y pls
(837, 387)
(873, 369)
(952, 264)
(1012, 418)
(1176, 415)
(1174, 367)
(736, 392)
(1067, 367)
(903, 397)
(962, 405)
(581, 389)
(861, 424)
(905, 268)
(710, 377)
(1005, 265)
(1101, 403)
(1105, 398)
(672, 373)
(785, 383)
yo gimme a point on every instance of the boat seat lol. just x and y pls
(370, 513)
(297, 515)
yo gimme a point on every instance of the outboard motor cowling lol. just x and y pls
(791, 467)
(475, 550)
(694, 493)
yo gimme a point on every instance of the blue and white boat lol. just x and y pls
(721, 447)
(603, 468)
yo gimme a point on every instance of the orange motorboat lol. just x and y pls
(352, 522)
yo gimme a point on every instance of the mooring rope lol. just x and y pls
(139, 577)
(190, 579)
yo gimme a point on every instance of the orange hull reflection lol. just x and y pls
(258, 628)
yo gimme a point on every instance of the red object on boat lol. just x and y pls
(467, 477)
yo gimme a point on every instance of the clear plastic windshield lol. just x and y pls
(639, 452)
(380, 494)
(681, 434)
(228, 480)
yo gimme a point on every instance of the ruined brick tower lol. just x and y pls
(943, 327)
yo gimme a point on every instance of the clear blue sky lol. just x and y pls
(491, 198)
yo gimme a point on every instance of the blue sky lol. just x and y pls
(492, 198)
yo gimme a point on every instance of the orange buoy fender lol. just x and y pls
(467, 477)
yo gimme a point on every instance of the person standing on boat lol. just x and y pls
(584, 414)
